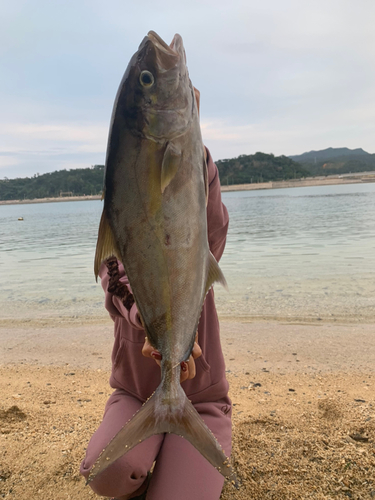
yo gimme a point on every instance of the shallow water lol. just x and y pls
(291, 253)
(301, 252)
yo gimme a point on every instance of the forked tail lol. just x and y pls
(157, 417)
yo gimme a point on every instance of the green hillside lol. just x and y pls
(87, 181)
(328, 154)
(78, 182)
(333, 161)
(256, 168)
(260, 167)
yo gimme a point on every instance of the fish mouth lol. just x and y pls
(166, 56)
(177, 46)
(160, 43)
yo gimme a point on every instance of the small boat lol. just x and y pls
(20, 218)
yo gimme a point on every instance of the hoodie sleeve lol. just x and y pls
(115, 305)
(217, 213)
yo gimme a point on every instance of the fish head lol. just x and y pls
(156, 96)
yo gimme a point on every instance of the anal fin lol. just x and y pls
(214, 273)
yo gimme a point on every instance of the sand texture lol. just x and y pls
(303, 409)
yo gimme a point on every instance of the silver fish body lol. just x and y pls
(154, 220)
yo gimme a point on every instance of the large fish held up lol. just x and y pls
(154, 220)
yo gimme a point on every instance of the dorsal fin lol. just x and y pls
(171, 162)
(106, 245)
(214, 273)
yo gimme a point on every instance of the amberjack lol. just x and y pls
(154, 221)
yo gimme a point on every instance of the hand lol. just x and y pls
(188, 370)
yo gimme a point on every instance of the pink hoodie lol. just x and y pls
(139, 376)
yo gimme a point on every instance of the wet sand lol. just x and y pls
(303, 408)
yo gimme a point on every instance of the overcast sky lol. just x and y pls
(278, 76)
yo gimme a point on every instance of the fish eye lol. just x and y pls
(146, 79)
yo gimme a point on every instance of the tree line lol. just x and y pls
(244, 169)
(341, 165)
(260, 167)
(78, 182)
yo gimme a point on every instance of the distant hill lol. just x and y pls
(88, 181)
(256, 168)
(78, 182)
(327, 154)
(336, 161)
(260, 167)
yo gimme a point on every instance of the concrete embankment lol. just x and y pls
(309, 181)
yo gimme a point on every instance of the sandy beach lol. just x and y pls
(303, 399)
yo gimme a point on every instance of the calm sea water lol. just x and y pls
(291, 253)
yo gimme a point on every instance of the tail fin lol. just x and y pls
(156, 418)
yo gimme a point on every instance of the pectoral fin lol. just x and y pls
(106, 245)
(214, 273)
(171, 162)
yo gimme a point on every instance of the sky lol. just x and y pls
(277, 76)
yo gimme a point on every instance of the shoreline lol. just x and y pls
(323, 347)
(53, 321)
(51, 200)
(359, 178)
(306, 182)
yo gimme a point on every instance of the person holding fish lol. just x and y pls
(162, 232)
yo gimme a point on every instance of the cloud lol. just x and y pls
(289, 135)
(47, 147)
(8, 161)
(42, 138)
(276, 76)
(83, 133)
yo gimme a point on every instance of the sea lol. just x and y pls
(295, 254)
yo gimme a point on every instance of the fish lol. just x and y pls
(154, 221)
